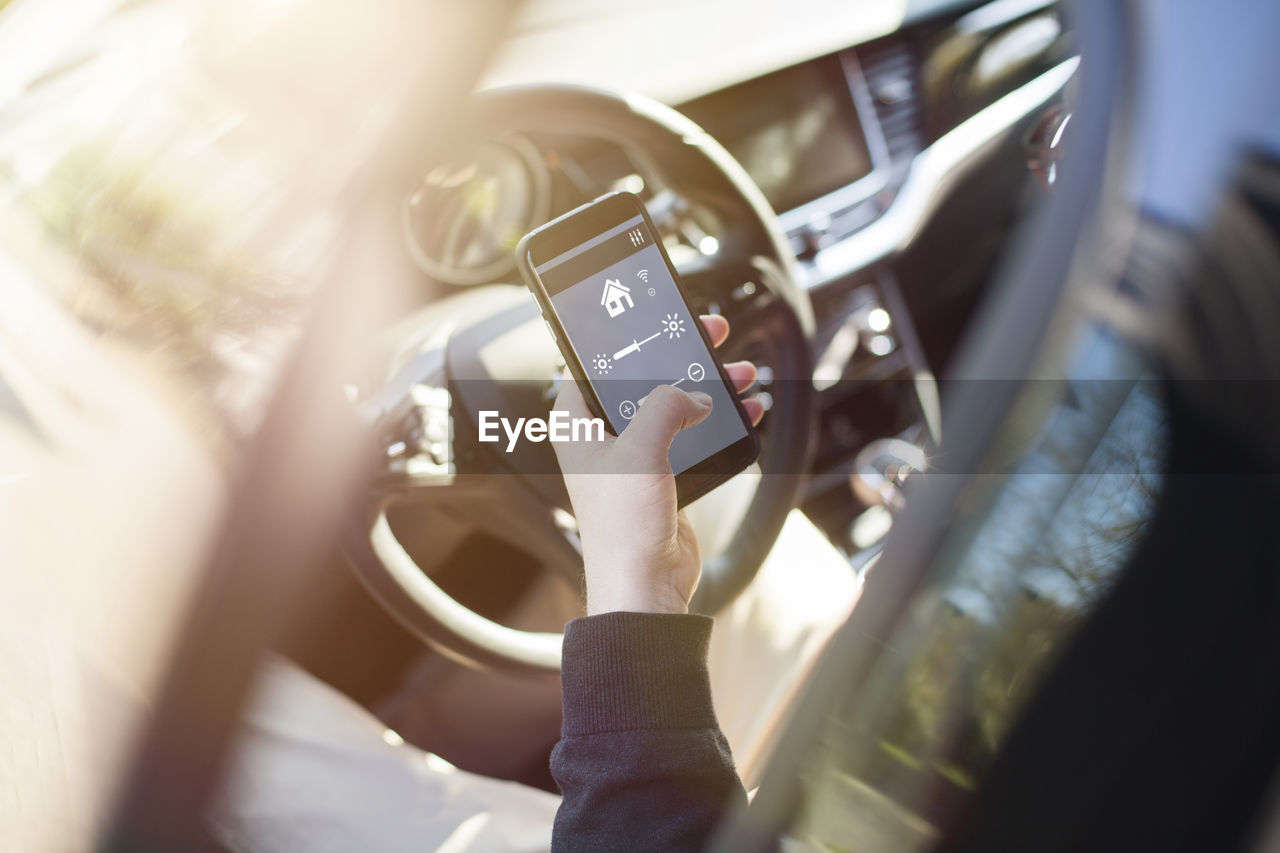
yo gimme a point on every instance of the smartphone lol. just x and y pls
(614, 303)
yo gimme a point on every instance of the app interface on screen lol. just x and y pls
(632, 332)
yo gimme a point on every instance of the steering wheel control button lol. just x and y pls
(627, 409)
(696, 372)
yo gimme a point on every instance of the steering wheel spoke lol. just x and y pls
(711, 277)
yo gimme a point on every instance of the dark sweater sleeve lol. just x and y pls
(641, 761)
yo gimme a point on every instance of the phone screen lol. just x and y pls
(627, 322)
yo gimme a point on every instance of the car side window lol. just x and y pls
(1022, 567)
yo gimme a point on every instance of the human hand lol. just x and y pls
(639, 553)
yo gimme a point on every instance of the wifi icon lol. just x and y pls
(643, 275)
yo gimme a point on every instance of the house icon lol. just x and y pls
(614, 293)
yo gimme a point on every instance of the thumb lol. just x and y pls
(662, 415)
(576, 457)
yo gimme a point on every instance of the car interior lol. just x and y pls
(849, 342)
(1001, 579)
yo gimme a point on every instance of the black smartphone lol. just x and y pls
(615, 305)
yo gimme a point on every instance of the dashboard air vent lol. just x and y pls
(891, 70)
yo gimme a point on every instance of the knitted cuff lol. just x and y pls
(629, 671)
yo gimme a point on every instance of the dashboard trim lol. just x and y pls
(932, 174)
(821, 208)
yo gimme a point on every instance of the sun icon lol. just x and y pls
(673, 326)
(601, 363)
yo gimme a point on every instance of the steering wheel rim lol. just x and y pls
(703, 172)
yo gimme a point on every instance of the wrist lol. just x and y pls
(613, 596)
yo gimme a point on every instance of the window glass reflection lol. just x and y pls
(1018, 575)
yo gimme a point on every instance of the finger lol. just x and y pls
(742, 374)
(665, 412)
(754, 409)
(717, 328)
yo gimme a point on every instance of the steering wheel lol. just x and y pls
(487, 349)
